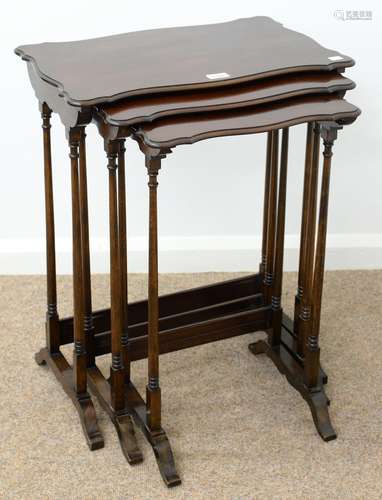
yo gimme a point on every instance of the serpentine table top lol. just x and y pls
(72, 77)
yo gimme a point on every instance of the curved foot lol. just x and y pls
(89, 423)
(165, 459)
(125, 429)
(83, 403)
(316, 398)
(157, 438)
(39, 357)
(318, 403)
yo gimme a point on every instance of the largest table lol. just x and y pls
(246, 76)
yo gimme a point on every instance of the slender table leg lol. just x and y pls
(303, 238)
(123, 258)
(114, 401)
(271, 219)
(153, 393)
(266, 203)
(279, 252)
(308, 238)
(121, 399)
(86, 281)
(148, 416)
(116, 369)
(73, 380)
(304, 373)
(79, 361)
(52, 325)
(312, 355)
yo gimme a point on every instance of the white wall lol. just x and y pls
(210, 194)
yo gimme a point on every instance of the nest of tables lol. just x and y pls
(166, 88)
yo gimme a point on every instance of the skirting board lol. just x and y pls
(191, 254)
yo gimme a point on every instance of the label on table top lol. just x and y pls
(217, 76)
(335, 58)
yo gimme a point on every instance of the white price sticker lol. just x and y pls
(217, 76)
(335, 58)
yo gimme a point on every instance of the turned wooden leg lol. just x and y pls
(271, 218)
(123, 257)
(52, 325)
(86, 277)
(112, 394)
(312, 353)
(303, 236)
(301, 364)
(266, 203)
(279, 252)
(79, 361)
(116, 369)
(73, 379)
(310, 203)
(153, 393)
(148, 416)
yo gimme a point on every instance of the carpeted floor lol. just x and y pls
(237, 429)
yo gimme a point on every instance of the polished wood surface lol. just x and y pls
(88, 72)
(51, 318)
(172, 131)
(147, 108)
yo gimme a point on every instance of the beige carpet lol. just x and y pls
(238, 430)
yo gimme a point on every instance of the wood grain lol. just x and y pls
(88, 72)
(148, 108)
(173, 131)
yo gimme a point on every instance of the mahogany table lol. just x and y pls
(165, 88)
